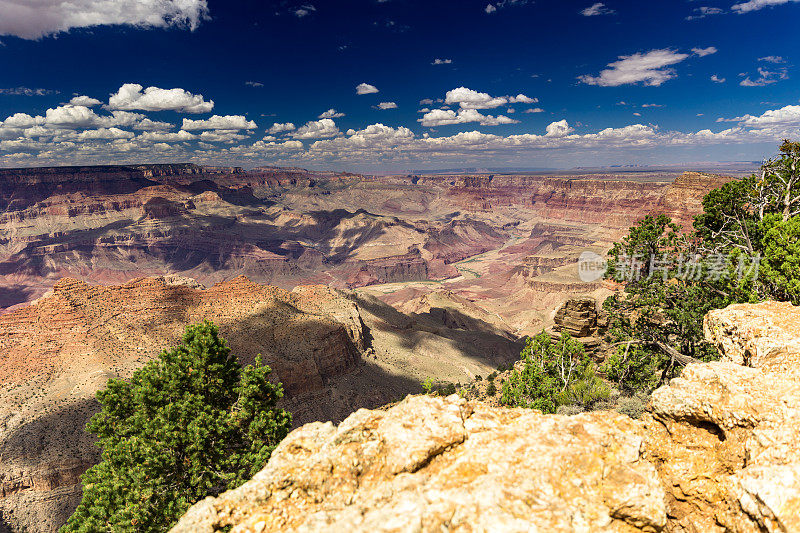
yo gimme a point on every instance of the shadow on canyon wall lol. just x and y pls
(13, 295)
(333, 378)
(475, 338)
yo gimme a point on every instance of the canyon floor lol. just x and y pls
(354, 288)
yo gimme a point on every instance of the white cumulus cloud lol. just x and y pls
(783, 122)
(471, 99)
(130, 96)
(33, 19)
(331, 113)
(755, 5)
(280, 127)
(386, 105)
(105, 134)
(180, 136)
(146, 124)
(222, 136)
(650, 68)
(81, 117)
(85, 101)
(217, 122)
(558, 129)
(366, 88)
(317, 129)
(448, 117)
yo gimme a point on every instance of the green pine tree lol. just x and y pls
(191, 423)
(744, 249)
(554, 373)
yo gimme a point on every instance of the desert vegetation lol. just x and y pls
(189, 424)
(744, 248)
(554, 373)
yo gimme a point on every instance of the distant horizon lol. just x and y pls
(389, 85)
(707, 166)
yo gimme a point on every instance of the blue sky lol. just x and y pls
(507, 83)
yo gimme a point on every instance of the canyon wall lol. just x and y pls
(57, 353)
(289, 226)
(333, 351)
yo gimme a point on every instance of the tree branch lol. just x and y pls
(674, 354)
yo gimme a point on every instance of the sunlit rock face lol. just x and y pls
(716, 451)
(430, 464)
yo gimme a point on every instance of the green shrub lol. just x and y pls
(569, 410)
(191, 423)
(447, 390)
(554, 374)
(633, 406)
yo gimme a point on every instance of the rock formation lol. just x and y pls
(333, 351)
(580, 318)
(433, 464)
(717, 451)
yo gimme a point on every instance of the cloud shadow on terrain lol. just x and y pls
(13, 295)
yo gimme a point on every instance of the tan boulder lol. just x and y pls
(765, 335)
(434, 464)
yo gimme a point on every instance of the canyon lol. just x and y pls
(354, 288)
(506, 241)
(334, 352)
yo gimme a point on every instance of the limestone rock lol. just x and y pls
(433, 464)
(765, 335)
(580, 318)
(724, 436)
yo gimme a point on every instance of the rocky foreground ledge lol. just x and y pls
(718, 450)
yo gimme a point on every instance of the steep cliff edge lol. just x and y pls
(334, 351)
(684, 197)
(717, 451)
